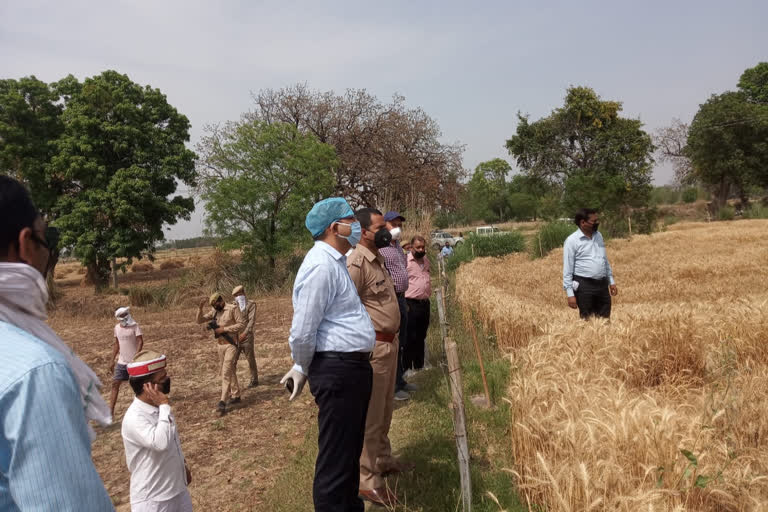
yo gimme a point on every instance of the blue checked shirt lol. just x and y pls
(327, 313)
(45, 450)
(584, 257)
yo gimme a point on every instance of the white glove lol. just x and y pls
(298, 382)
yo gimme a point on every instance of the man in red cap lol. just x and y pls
(159, 473)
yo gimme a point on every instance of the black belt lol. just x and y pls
(592, 280)
(344, 356)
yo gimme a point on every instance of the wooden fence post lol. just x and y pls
(459, 422)
(480, 360)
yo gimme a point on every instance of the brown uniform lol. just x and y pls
(377, 293)
(232, 321)
(246, 347)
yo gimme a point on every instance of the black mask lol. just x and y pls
(419, 254)
(594, 227)
(218, 307)
(166, 386)
(382, 238)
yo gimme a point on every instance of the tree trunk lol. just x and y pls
(114, 273)
(98, 274)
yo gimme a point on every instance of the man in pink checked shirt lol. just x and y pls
(417, 300)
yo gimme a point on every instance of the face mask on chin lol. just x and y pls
(418, 254)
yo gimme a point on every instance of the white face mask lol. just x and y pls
(241, 301)
(127, 320)
(396, 233)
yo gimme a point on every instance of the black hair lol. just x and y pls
(16, 210)
(583, 214)
(418, 238)
(363, 215)
(137, 383)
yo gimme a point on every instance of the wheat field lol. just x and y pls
(661, 408)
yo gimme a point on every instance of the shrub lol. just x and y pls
(480, 246)
(726, 213)
(142, 267)
(756, 211)
(551, 236)
(690, 195)
(171, 264)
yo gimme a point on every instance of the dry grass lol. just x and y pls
(142, 267)
(234, 459)
(602, 412)
(171, 264)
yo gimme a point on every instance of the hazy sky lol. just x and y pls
(471, 66)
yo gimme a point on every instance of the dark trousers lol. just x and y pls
(342, 389)
(403, 339)
(418, 324)
(593, 297)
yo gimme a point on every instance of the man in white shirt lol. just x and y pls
(159, 473)
(128, 341)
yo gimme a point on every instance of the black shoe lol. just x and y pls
(254, 383)
(222, 408)
(234, 401)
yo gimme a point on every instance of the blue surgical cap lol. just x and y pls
(325, 213)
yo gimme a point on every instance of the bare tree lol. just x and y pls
(671, 142)
(388, 153)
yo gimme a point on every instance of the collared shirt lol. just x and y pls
(126, 339)
(446, 251)
(231, 320)
(153, 452)
(419, 282)
(327, 313)
(250, 317)
(45, 449)
(394, 260)
(585, 257)
(375, 287)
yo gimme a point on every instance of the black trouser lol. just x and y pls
(342, 389)
(593, 297)
(403, 339)
(418, 324)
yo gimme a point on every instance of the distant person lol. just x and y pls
(406, 248)
(248, 309)
(159, 472)
(587, 275)
(394, 259)
(447, 251)
(230, 323)
(377, 292)
(417, 298)
(331, 342)
(128, 341)
(47, 394)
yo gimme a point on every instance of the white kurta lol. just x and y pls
(154, 457)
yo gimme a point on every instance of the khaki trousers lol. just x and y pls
(228, 362)
(376, 444)
(246, 348)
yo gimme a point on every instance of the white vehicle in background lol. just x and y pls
(438, 239)
(488, 231)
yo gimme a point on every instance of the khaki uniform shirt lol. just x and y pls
(230, 319)
(250, 319)
(376, 289)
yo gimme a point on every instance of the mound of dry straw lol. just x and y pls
(662, 408)
(142, 267)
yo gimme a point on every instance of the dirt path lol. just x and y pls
(233, 459)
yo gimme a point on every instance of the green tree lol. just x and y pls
(30, 123)
(260, 179)
(727, 146)
(596, 157)
(754, 83)
(119, 158)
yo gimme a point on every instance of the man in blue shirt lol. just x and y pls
(446, 251)
(331, 341)
(587, 275)
(47, 394)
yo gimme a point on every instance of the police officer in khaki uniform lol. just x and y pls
(248, 309)
(377, 293)
(231, 323)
